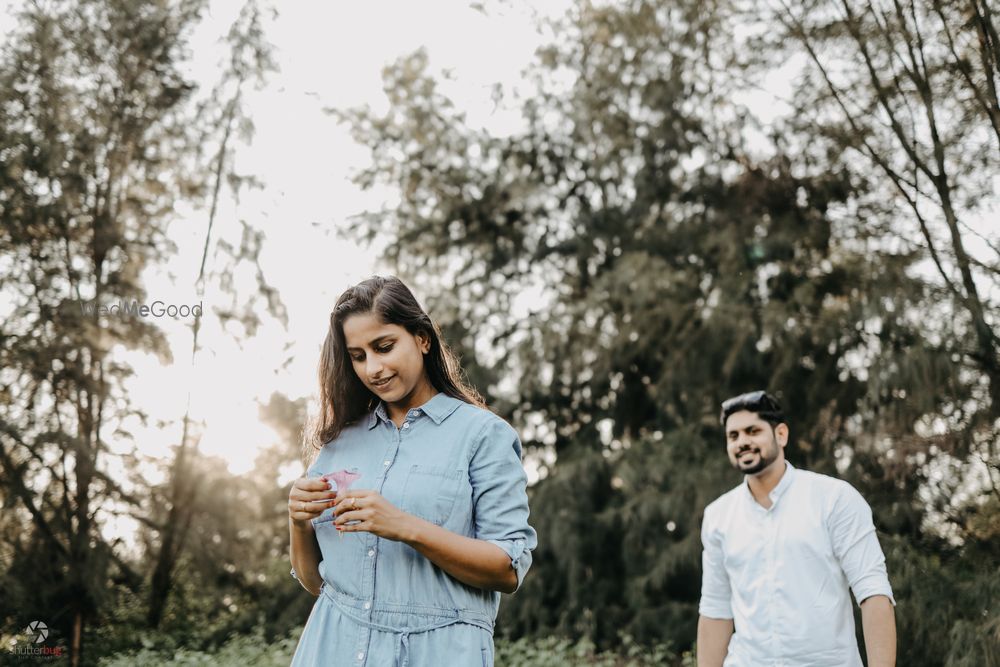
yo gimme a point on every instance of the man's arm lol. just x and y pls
(715, 611)
(878, 621)
(713, 640)
(856, 547)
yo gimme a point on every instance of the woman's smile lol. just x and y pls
(381, 383)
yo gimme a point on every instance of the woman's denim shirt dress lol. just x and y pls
(382, 602)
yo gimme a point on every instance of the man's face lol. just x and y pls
(752, 444)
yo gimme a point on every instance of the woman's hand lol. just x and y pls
(373, 513)
(302, 499)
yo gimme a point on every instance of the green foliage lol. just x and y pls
(256, 650)
(941, 591)
(561, 652)
(252, 649)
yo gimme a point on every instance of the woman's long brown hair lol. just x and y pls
(343, 397)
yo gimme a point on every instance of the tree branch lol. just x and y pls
(898, 180)
(904, 141)
(14, 474)
(992, 111)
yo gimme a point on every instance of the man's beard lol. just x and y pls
(763, 460)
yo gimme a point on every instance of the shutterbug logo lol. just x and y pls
(27, 643)
(38, 630)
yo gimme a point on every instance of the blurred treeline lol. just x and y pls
(644, 247)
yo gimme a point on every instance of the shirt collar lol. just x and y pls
(438, 408)
(378, 413)
(779, 490)
(786, 481)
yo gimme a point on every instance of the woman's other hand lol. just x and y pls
(309, 497)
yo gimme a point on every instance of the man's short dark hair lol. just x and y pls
(764, 404)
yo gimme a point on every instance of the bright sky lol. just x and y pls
(330, 55)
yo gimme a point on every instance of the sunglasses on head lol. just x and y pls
(755, 401)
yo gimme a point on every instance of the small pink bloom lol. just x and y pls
(342, 478)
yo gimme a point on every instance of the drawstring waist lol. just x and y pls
(449, 617)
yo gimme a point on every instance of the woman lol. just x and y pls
(409, 561)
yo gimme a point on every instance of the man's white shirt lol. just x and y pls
(782, 574)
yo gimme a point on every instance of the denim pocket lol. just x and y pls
(430, 492)
(324, 518)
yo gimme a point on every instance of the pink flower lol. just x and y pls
(342, 478)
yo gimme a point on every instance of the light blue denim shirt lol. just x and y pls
(382, 602)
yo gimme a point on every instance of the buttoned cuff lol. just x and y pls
(520, 557)
(718, 609)
(872, 584)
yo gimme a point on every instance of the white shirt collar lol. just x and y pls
(777, 491)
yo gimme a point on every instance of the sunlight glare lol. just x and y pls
(234, 433)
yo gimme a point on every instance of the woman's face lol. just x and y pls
(388, 359)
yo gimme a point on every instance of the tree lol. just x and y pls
(910, 88)
(99, 142)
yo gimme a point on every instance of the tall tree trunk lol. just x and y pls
(183, 486)
(76, 648)
(183, 490)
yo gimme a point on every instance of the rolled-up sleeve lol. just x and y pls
(716, 593)
(856, 546)
(500, 496)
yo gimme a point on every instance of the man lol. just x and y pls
(779, 553)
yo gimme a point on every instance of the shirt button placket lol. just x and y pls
(368, 569)
(772, 591)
